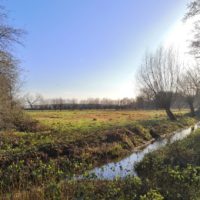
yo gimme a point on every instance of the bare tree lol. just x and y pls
(188, 90)
(8, 34)
(194, 13)
(194, 77)
(60, 103)
(9, 72)
(140, 101)
(193, 9)
(159, 75)
(9, 76)
(180, 102)
(32, 100)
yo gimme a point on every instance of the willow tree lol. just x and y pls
(159, 76)
(189, 89)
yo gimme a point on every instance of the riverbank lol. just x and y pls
(125, 167)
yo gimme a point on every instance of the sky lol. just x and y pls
(90, 48)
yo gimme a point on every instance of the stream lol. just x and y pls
(125, 166)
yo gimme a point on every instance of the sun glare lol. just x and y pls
(179, 37)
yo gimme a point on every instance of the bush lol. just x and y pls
(23, 122)
(152, 195)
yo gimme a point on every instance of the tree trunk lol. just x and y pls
(170, 114)
(192, 109)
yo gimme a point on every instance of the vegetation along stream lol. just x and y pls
(126, 166)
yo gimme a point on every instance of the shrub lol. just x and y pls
(152, 195)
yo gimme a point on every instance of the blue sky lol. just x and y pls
(89, 48)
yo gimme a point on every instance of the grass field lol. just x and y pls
(87, 121)
(71, 142)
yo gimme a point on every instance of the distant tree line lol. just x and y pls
(38, 103)
(142, 101)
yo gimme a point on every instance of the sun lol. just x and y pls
(179, 37)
